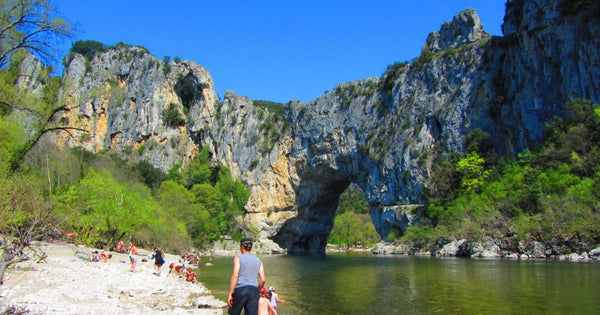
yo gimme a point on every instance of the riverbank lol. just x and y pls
(490, 248)
(67, 284)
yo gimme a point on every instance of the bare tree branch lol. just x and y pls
(29, 25)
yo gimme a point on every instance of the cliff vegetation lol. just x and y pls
(550, 194)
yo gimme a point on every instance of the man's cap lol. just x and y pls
(246, 240)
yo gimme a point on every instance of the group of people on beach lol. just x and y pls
(103, 257)
(247, 285)
(186, 273)
(157, 255)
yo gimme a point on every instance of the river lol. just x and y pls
(361, 283)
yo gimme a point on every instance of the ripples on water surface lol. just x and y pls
(365, 284)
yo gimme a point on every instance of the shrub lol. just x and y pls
(425, 58)
(391, 74)
(87, 48)
(166, 66)
(172, 117)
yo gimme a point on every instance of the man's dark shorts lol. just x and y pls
(245, 297)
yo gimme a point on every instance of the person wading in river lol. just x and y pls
(247, 278)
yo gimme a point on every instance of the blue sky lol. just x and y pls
(275, 50)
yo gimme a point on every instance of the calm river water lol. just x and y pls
(361, 283)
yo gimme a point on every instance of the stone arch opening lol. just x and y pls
(317, 194)
(317, 201)
(317, 198)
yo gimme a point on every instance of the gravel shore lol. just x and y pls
(64, 283)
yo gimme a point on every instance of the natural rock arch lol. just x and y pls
(317, 201)
(317, 198)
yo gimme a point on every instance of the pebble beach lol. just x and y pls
(67, 283)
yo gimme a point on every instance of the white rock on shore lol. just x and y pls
(65, 284)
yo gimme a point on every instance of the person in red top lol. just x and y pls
(264, 306)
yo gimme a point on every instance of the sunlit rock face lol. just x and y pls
(381, 135)
(120, 97)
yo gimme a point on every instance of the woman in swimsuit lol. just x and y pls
(132, 252)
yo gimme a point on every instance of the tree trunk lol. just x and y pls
(3, 267)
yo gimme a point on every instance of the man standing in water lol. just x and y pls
(244, 283)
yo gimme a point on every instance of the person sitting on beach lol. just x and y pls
(70, 237)
(179, 267)
(264, 306)
(103, 256)
(198, 258)
(132, 253)
(190, 276)
(120, 247)
(94, 256)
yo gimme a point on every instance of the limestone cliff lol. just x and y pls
(381, 134)
(121, 96)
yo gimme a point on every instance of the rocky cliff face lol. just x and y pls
(378, 133)
(548, 54)
(121, 97)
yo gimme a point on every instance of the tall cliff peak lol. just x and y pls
(465, 28)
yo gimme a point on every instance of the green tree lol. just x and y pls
(152, 176)
(445, 180)
(479, 141)
(166, 67)
(352, 200)
(87, 48)
(172, 117)
(473, 174)
(206, 195)
(101, 209)
(232, 196)
(174, 173)
(199, 171)
(346, 229)
(189, 208)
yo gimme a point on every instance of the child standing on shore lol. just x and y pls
(274, 298)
